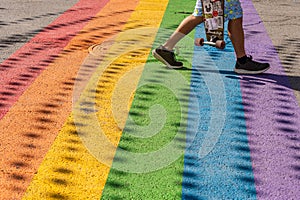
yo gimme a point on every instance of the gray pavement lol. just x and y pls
(282, 21)
(22, 19)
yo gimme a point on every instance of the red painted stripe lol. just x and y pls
(21, 68)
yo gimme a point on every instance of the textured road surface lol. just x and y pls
(282, 21)
(115, 124)
(22, 19)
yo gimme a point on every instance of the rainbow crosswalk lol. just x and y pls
(90, 114)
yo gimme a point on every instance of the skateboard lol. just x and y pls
(213, 13)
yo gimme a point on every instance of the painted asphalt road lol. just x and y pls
(35, 55)
(23, 19)
(269, 97)
(284, 30)
(242, 132)
(279, 109)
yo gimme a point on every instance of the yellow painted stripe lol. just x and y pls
(30, 127)
(69, 170)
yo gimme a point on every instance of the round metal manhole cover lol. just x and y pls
(100, 49)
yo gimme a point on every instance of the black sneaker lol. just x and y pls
(167, 57)
(251, 67)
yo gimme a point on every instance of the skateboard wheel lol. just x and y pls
(199, 41)
(220, 44)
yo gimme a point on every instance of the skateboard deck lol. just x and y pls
(213, 13)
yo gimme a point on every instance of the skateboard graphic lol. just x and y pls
(213, 13)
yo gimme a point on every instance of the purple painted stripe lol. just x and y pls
(273, 117)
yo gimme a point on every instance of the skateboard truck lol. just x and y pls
(220, 44)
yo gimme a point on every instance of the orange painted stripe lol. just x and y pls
(72, 168)
(30, 127)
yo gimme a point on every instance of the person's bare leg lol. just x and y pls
(185, 27)
(244, 64)
(236, 34)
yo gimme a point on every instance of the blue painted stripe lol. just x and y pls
(217, 161)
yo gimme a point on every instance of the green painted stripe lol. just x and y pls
(149, 161)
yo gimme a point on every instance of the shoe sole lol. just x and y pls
(241, 71)
(158, 57)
